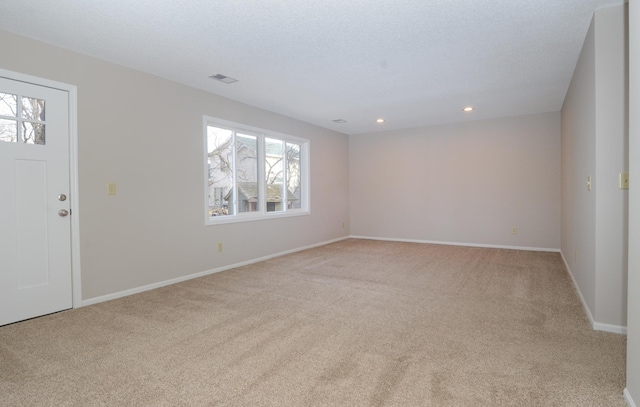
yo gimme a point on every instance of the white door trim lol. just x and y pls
(72, 90)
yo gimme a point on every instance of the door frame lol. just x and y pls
(72, 90)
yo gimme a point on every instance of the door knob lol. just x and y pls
(63, 212)
(62, 197)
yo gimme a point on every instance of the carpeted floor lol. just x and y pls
(354, 323)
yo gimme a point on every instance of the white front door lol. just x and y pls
(35, 229)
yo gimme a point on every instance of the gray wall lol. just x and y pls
(145, 134)
(633, 317)
(578, 163)
(612, 150)
(463, 183)
(595, 144)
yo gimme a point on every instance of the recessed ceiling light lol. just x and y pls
(223, 78)
(339, 121)
(468, 109)
(380, 121)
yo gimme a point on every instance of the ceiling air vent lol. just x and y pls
(223, 78)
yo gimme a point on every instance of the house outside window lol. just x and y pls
(253, 174)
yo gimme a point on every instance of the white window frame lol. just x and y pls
(261, 213)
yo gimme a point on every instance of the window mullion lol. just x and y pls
(234, 175)
(304, 175)
(262, 202)
(285, 183)
(19, 132)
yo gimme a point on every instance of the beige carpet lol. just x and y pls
(355, 323)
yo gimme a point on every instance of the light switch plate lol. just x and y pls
(111, 188)
(623, 182)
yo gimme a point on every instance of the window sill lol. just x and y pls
(252, 217)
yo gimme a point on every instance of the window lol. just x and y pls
(22, 119)
(253, 174)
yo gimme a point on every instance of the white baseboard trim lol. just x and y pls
(628, 398)
(159, 284)
(491, 246)
(616, 329)
(598, 326)
(587, 311)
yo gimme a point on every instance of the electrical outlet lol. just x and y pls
(514, 231)
(220, 246)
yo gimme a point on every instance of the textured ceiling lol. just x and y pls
(412, 62)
